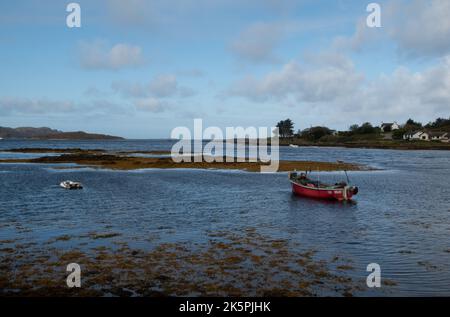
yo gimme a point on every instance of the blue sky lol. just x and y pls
(140, 68)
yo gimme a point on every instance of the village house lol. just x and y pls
(427, 136)
(415, 135)
(439, 136)
(388, 127)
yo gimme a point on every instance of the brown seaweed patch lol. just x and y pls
(111, 160)
(345, 267)
(387, 282)
(96, 236)
(63, 238)
(240, 264)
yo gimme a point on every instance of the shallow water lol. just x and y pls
(400, 220)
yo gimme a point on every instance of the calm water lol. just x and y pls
(401, 218)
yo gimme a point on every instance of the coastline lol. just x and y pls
(381, 145)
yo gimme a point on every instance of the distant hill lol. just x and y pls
(47, 134)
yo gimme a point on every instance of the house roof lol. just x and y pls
(429, 133)
(410, 134)
(437, 134)
(413, 132)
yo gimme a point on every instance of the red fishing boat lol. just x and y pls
(304, 186)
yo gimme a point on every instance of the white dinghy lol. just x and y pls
(71, 185)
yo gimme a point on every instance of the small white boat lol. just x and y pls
(71, 185)
(293, 145)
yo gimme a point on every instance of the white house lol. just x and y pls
(438, 136)
(427, 136)
(416, 135)
(387, 127)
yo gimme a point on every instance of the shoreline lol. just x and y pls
(121, 161)
(384, 145)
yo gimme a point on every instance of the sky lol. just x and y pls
(140, 68)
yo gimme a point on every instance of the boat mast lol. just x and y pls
(348, 179)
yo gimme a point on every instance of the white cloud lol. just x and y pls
(98, 55)
(325, 78)
(404, 93)
(330, 88)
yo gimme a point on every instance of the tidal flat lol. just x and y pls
(129, 161)
(228, 264)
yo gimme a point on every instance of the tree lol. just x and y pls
(365, 128)
(285, 128)
(411, 125)
(315, 133)
(398, 134)
(354, 128)
(411, 122)
(439, 123)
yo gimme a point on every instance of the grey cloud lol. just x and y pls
(151, 105)
(10, 106)
(162, 86)
(127, 89)
(98, 55)
(14, 105)
(197, 73)
(156, 13)
(420, 28)
(257, 42)
(362, 38)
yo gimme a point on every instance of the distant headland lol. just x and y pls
(45, 133)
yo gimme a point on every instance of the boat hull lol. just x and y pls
(71, 185)
(339, 194)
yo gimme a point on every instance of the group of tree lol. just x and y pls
(365, 128)
(439, 123)
(315, 133)
(285, 128)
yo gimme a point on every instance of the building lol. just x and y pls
(427, 136)
(439, 136)
(416, 135)
(388, 127)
